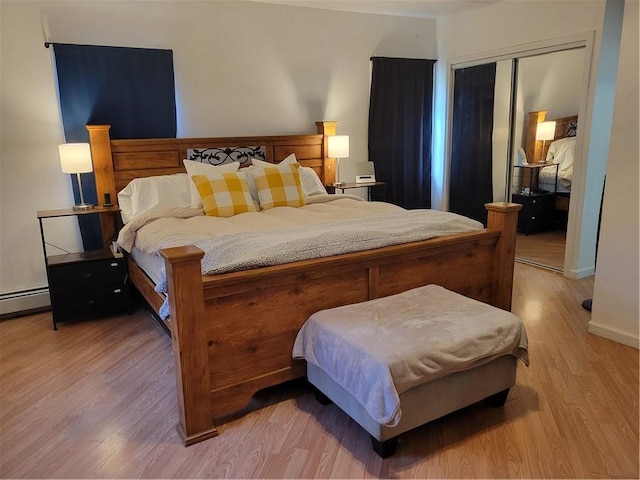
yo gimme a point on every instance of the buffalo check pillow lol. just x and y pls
(199, 168)
(224, 194)
(278, 186)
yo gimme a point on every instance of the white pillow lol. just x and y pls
(199, 168)
(311, 183)
(162, 191)
(260, 163)
(562, 151)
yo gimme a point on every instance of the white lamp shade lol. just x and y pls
(546, 131)
(75, 157)
(338, 146)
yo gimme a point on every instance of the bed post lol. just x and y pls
(533, 146)
(103, 173)
(327, 129)
(188, 338)
(102, 163)
(503, 216)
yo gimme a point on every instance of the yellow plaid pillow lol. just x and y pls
(224, 194)
(278, 186)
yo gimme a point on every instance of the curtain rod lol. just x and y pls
(48, 44)
(402, 58)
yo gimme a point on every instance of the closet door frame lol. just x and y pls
(574, 254)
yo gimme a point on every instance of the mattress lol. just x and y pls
(338, 223)
(326, 227)
(151, 264)
(182, 226)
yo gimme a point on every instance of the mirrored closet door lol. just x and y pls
(514, 141)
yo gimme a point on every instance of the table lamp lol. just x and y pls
(545, 131)
(76, 158)
(338, 147)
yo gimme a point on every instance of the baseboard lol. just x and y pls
(23, 302)
(581, 273)
(613, 334)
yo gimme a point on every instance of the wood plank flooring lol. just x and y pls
(97, 400)
(543, 249)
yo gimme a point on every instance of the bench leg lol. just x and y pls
(384, 448)
(497, 399)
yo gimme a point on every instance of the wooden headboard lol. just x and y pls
(117, 162)
(565, 127)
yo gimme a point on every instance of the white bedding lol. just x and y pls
(333, 224)
(377, 350)
(173, 227)
(562, 152)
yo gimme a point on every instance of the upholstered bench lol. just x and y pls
(398, 362)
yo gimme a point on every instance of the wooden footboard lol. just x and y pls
(233, 333)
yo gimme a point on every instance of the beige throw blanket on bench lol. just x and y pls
(378, 349)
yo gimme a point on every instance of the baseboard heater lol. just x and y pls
(23, 302)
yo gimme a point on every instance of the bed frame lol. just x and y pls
(232, 334)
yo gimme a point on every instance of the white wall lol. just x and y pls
(617, 287)
(551, 82)
(241, 68)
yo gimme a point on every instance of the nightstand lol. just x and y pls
(538, 211)
(537, 196)
(87, 284)
(345, 186)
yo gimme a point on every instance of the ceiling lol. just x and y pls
(400, 8)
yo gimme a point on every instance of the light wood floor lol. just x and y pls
(543, 248)
(96, 400)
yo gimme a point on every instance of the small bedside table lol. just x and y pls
(537, 214)
(331, 188)
(86, 284)
(538, 205)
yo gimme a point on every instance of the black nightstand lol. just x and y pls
(538, 211)
(88, 284)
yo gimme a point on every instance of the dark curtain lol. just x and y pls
(400, 112)
(131, 89)
(471, 185)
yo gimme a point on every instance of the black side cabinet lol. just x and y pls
(537, 214)
(87, 284)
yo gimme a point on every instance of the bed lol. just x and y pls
(559, 151)
(232, 333)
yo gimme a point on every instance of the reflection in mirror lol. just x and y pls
(548, 89)
(495, 116)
